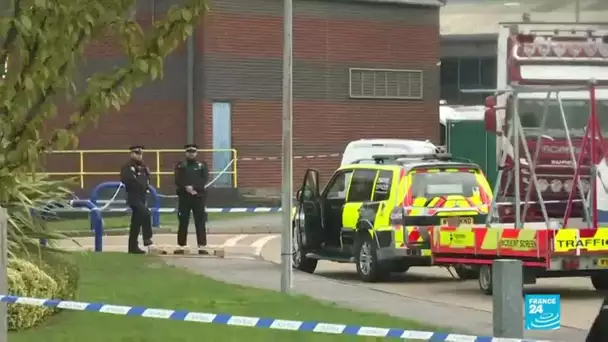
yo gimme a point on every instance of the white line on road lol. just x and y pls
(234, 240)
(261, 242)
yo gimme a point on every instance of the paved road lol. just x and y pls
(579, 301)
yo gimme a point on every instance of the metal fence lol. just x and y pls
(95, 163)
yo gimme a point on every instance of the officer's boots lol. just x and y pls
(134, 246)
(136, 250)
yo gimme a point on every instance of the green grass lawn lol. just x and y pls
(118, 222)
(123, 279)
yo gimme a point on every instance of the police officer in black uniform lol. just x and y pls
(191, 176)
(135, 176)
(599, 329)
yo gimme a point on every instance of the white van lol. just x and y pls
(366, 148)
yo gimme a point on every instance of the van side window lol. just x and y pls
(337, 188)
(361, 186)
(382, 188)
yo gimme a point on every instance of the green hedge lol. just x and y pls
(51, 275)
(63, 270)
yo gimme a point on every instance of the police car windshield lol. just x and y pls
(576, 111)
(444, 183)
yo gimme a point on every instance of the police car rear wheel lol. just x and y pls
(369, 268)
(298, 255)
(600, 282)
(485, 279)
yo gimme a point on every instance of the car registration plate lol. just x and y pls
(457, 221)
(602, 262)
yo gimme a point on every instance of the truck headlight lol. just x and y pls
(568, 185)
(543, 185)
(556, 185)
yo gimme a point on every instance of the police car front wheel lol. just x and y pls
(369, 268)
(298, 254)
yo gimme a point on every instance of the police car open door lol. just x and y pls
(309, 212)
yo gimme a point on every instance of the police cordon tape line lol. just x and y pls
(174, 210)
(255, 322)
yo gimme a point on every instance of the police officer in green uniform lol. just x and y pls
(135, 176)
(191, 176)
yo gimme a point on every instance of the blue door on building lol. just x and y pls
(222, 143)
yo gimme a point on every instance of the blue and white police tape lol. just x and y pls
(254, 322)
(174, 210)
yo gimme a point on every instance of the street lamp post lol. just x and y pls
(287, 168)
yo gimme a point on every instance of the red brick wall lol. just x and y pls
(320, 127)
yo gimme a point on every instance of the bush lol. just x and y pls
(63, 270)
(28, 280)
(49, 275)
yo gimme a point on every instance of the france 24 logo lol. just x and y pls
(543, 312)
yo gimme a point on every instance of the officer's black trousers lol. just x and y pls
(140, 220)
(196, 204)
(599, 328)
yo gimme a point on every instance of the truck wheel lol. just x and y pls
(369, 268)
(465, 272)
(600, 282)
(485, 279)
(298, 256)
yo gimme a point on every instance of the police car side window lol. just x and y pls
(361, 186)
(383, 186)
(337, 189)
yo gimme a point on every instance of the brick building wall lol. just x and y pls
(239, 60)
(242, 52)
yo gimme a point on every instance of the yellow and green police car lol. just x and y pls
(380, 213)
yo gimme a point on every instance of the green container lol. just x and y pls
(469, 139)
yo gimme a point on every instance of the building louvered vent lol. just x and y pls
(386, 84)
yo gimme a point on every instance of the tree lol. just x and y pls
(42, 45)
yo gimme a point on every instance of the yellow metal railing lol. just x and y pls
(158, 170)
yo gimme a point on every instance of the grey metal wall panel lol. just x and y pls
(468, 49)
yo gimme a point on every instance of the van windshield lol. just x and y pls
(576, 112)
(434, 184)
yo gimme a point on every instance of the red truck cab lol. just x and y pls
(546, 56)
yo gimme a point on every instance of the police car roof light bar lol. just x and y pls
(410, 156)
(416, 156)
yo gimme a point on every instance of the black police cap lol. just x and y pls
(136, 148)
(191, 147)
